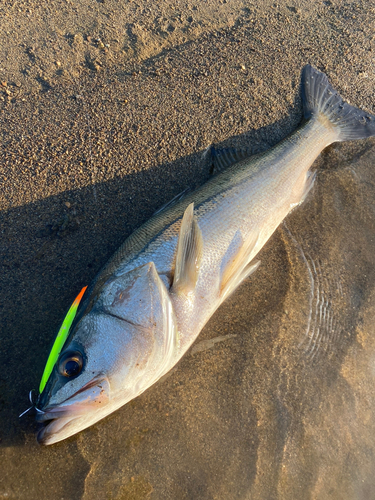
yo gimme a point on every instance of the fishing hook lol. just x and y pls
(33, 405)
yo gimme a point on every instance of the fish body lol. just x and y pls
(152, 299)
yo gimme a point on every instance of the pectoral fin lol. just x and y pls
(237, 264)
(189, 253)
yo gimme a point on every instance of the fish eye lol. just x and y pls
(70, 364)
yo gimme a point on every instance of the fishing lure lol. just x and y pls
(56, 348)
(60, 340)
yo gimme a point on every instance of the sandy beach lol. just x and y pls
(106, 113)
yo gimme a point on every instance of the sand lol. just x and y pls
(106, 110)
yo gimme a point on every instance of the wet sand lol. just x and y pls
(105, 115)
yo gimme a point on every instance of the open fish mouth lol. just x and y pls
(58, 420)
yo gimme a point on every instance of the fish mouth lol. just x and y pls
(69, 417)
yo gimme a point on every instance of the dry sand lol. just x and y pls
(106, 109)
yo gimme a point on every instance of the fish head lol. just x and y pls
(119, 348)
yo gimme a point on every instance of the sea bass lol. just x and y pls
(149, 303)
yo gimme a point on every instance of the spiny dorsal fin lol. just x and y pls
(224, 158)
(189, 253)
(237, 264)
(173, 201)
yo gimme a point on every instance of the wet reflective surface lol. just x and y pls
(276, 398)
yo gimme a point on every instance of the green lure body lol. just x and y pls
(60, 340)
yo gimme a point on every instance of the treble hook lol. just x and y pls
(33, 405)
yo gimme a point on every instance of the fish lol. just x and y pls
(149, 303)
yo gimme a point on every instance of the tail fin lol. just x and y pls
(319, 96)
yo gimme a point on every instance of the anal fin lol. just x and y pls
(302, 188)
(310, 179)
(189, 253)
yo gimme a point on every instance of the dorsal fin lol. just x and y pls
(189, 253)
(224, 158)
(173, 201)
(237, 264)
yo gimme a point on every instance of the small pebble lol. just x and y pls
(78, 39)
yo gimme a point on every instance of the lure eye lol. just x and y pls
(70, 364)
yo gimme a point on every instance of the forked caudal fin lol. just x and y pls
(319, 97)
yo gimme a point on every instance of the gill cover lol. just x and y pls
(60, 340)
(139, 303)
